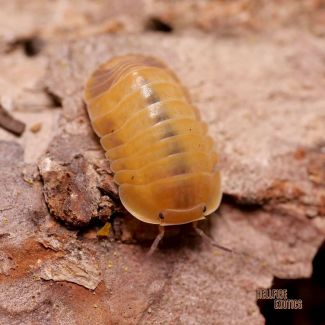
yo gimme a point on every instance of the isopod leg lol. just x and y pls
(208, 239)
(157, 240)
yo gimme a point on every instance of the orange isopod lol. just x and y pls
(163, 160)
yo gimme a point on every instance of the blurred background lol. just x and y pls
(28, 27)
(32, 116)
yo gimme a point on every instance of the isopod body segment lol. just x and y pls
(162, 158)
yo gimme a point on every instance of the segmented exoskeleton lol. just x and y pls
(162, 158)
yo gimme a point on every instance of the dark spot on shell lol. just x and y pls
(161, 216)
(161, 117)
(175, 149)
(152, 99)
(168, 133)
(181, 169)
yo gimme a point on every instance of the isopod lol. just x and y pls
(163, 160)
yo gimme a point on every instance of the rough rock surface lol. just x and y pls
(267, 162)
(36, 22)
(40, 21)
(243, 99)
(233, 18)
(263, 101)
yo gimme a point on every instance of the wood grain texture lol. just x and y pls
(163, 160)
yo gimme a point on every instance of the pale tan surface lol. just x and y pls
(262, 95)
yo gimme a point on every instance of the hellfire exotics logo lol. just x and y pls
(280, 297)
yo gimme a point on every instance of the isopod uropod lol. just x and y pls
(162, 158)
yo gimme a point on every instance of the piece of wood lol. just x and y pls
(9, 123)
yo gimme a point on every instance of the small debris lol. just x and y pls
(36, 127)
(29, 176)
(104, 231)
(216, 252)
(6, 263)
(251, 311)
(80, 267)
(9, 123)
(27, 179)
